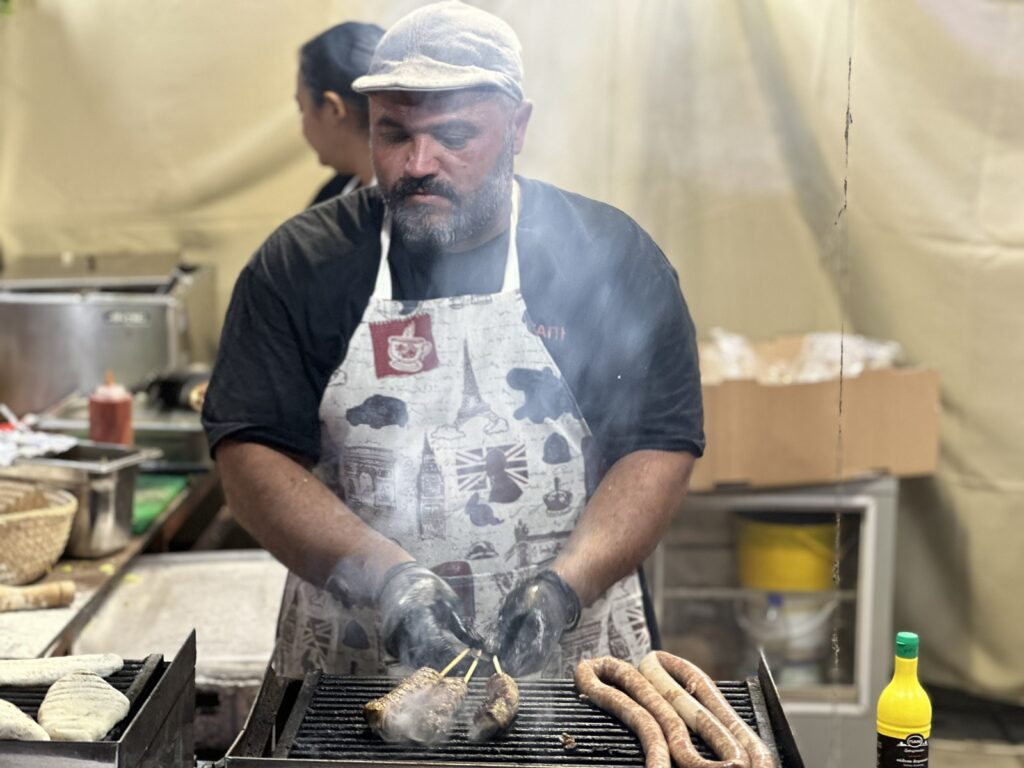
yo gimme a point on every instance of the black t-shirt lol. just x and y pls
(600, 293)
(334, 187)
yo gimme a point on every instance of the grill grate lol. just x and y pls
(332, 727)
(132, 680)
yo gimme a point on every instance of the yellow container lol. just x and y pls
(790, 552)
(904, 714)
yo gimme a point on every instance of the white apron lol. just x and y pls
(449, 429)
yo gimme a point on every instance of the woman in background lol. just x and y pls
(335, 119)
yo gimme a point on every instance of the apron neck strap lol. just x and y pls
(383, 291)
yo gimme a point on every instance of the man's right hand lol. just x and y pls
(421, 620)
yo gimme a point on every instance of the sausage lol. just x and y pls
(647, 714)
(697, 683)
(380, 711)
(589, 676)
(722, 742)
(498, 709)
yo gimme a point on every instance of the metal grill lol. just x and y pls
(132, 680)
(156, 733)
(327, 723)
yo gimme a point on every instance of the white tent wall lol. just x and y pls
(719, 125)
(172, 124)
(937, 261)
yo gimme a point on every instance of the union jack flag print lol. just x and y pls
(474, 467)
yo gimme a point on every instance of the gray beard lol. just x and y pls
(423, 231)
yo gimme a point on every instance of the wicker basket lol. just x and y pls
(35, 523)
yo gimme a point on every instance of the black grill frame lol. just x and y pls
(327, 724)
(156, 733)
(134, 679)
(274, 734)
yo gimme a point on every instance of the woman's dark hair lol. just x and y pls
(333, 59)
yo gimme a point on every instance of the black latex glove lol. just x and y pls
(531, 621)
(420, 617)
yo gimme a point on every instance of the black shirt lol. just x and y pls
(598, 290)
(334, 187)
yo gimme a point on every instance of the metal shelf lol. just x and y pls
(736, 593)
(834, 708)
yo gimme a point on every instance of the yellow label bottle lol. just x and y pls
(904, 712)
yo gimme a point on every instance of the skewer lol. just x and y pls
(456, 660)
(472, 667)
(497, 665)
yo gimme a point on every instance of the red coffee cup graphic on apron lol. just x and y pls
(407, 352)
(403, 347)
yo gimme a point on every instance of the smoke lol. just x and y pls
(606, 304)
(426, 716)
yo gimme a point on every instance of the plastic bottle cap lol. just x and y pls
(111, 391)
(906, 645)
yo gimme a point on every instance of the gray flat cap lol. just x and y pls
(446, 46)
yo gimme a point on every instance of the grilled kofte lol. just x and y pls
(498, 709)
(419, 710)
(422, 708)
(434, 712)
(384, 715)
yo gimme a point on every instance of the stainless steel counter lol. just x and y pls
(51, 631)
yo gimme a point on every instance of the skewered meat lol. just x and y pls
(81, 707)
(697, 683)
(498, 710)
(16, 725)
(420, 709)
(430, 717)
(382, 714)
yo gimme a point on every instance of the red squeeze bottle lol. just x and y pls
(110, 413)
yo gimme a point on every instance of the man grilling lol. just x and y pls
(463, 406)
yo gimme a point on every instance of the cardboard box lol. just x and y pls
(765, 435)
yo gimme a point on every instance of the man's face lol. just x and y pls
(444, 163)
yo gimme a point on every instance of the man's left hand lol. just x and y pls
(532, 619)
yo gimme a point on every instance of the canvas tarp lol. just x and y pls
(718, 125)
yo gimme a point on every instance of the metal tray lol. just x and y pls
(177, 433)
(102, 477)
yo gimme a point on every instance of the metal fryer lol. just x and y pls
(67, 318)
